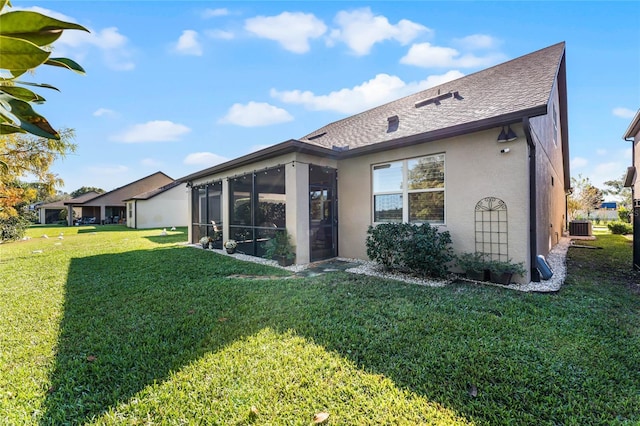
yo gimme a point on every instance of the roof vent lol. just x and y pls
(393, 123)
(436, 99)
(319, 135)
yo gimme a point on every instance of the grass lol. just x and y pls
(118, 326)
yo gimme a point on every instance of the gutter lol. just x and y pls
(533, 224)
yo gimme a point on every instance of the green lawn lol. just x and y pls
(117, 326)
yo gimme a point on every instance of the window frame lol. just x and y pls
(405, 192)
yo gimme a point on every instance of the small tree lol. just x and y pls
(586, 196)
(24, 155)
(623, 195)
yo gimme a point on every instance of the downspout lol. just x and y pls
(135, 214)
(533, 224)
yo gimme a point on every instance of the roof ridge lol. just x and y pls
(492, 96)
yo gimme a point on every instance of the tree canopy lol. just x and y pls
(25, 40)
(585, 197)
(26, 155)
(617, 189)
(86, 189)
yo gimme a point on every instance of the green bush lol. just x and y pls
(420, 249)
(13, 228)
(501, 267)
(472, 262)
(624, 214)
(383, 243)
(620, 228)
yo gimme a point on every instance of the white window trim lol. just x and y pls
(404, 193)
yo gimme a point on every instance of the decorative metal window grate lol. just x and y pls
(491, 228)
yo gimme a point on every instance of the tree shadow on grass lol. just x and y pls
(129, 319)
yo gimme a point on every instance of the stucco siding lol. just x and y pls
(167, 209)
(475, 168)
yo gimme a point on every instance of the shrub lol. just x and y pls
(620, 228)
(624, 214)
(475, 262)
(420, 249)
(280, 247)
(13, 228)
(501, 267)
(383, 243)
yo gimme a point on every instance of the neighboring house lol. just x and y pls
(166, 206)
(110, 207)
(633, 181)
(50, 212)
(484, 157)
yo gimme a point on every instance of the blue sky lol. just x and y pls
(180, 86)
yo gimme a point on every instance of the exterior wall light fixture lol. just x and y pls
(507, 136)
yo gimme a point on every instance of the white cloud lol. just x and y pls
(151, 162)
(477, 42)
(206, 159)
(610, 167)
(114, 46)
(292, 30)
(47, 12)
(360, 30)
(377, 91)
(255, 114)
(578, 162)
(601, 152)
(623, 112)
(212, 13)
(104, 112)
(219, 34)
(188, 44)
(152, 131)
(607, 171)
(428, 56)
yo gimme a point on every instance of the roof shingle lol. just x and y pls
(522, 85)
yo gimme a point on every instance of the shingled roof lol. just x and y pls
(150, 194)
(506, 92)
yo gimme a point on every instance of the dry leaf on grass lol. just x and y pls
(320, 417)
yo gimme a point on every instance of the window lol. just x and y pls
(409, 190)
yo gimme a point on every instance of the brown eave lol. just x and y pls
(292, 145)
